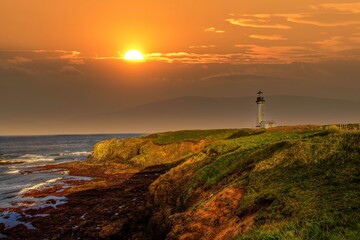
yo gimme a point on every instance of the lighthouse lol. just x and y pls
(261, 109)
(261, 123)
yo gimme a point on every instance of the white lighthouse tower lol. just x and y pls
(261, 109)
(261, 123)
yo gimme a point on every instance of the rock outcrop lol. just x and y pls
(144, 152)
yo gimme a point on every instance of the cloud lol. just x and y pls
(34, 62)
(40, 54)
(18, 60)
(214, 30)
(338, 47)
(70, 70)
(278, 54)
(256, 21)
(315, 19)
(330, 43)
(318, 15)
(77, 61)
(195, 58)
(342, 7)
(203, 46)
(245, 54)
(268, 37)
(321, 32)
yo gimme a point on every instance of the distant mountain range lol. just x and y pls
(206, 113)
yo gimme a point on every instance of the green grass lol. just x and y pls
(192, 135)
(313, 190)
(299, 184)
(235, 155)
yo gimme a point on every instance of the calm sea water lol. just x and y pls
(21, 153)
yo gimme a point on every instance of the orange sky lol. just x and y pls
(61, 59)
(279, 30)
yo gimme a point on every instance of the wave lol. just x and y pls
(36, 158)
(12, 170)
(8, 162)
(32, 158)
(67, 153)
(26, 158)
(40, 186)
(81, 153)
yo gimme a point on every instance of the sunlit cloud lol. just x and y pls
(314, 19)
(30, 61)
(246, 54)
(214, 30)
(195, 58)
(337, 45)
(18, 60)
(330, 43)
(268, 37)
(41, 54)
(202, 46)
(278, 54)
(318, 15)
(256, 21)
(342, 7)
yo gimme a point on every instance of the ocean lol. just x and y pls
(20, 153)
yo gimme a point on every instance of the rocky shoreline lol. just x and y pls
(111, 206)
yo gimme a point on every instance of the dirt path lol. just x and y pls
(115, 212)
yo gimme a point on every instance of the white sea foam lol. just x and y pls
(79, 153)
(12, 170)
(8, 162)
(38, 215)
(40, 186)
(79, 178)
(35, 158)
(68, 153)
(48, 201)
(53, 182)
(11, 219)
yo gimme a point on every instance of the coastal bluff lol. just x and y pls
(283, 183)
(143, 152)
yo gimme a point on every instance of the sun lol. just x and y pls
(133, 55)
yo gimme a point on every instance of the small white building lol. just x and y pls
(261, 123)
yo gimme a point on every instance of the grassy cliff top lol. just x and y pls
(281, 183)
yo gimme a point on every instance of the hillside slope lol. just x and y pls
(283, 183)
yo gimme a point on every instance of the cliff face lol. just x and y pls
(163, 148)
(283, 183)
(143, 153)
